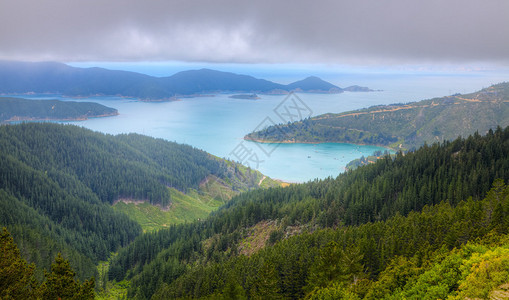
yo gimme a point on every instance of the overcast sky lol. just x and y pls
(358, 32)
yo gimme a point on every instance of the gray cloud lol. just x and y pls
(336, 31)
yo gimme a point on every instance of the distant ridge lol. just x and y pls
(207, 81)
(18, 109)
(59, 78)
(401, 126)
(314, 84)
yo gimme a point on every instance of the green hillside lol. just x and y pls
(433, 223)
(405, 126)
(18, 281)
(443, 252)
(17, 109)
(340, 236)
(58, 184)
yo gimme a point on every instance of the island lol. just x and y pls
(356, 88)
(245, 96)
(19, 109)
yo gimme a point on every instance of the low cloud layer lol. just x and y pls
(357, 32)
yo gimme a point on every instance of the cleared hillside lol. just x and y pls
(295, 241)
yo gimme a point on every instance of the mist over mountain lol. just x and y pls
(59, 78)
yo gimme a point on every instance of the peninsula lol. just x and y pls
(18, 109)
(400, 126)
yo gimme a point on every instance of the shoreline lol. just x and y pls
(246, 138)
(77, 119)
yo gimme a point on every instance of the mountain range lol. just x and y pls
(59, 78)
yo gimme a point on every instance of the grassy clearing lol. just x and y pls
(195, 204)
(284, 184)
(184, 208)
(257, 237)
(108, 290)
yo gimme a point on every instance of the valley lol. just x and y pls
(141, 217)
(65, 179)
(339, 236)
(398, 212)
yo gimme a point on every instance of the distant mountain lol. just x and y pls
(17, 109)
(50, 77)
(58, 78)
(211, 81)
(314, 84)
(402, 125)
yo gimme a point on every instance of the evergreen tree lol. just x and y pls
(17, 279)
(61, 283)
(266, 283)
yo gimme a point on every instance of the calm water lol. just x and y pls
(218, 124)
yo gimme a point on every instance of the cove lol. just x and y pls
(218, 124)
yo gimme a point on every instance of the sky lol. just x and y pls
(348, 32)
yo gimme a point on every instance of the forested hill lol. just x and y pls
(57, 184)
(365, 234)
(17, 109)
(401, 125)
(50, 77)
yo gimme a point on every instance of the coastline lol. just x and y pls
(247, 138)
(171, 99)
(34, 119)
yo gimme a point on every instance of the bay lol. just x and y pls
(217, 123)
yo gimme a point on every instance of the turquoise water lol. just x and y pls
(218, 124)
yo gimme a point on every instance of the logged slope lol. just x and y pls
(50, 77)
(450, 172)
(17, 109)
(410, 257)
(407, 126)
(57, 184)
